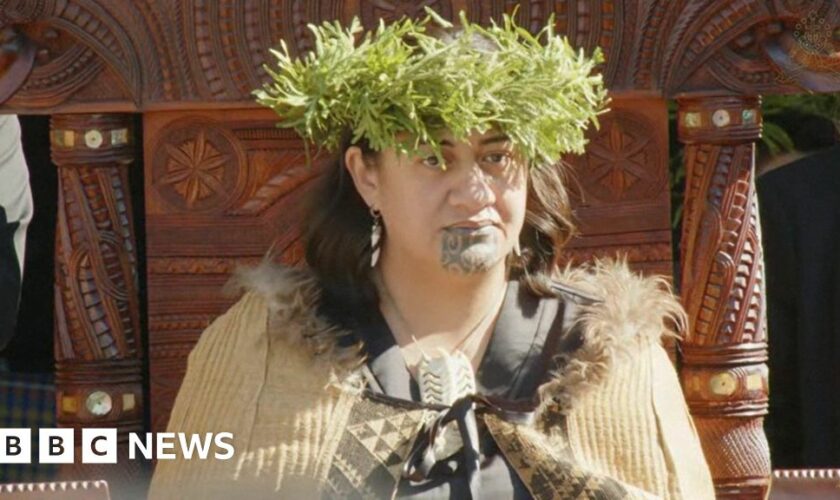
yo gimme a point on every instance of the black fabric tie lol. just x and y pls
(463, 411)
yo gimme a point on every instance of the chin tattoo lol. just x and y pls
(468, 253)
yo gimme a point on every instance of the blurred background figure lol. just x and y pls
(800, 215)
(27, 389)
(15, 214)
(799, 201)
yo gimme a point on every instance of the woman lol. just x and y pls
(431, 349)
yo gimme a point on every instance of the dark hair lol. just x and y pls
(338, 224)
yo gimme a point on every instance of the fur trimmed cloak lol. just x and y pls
(611, 423)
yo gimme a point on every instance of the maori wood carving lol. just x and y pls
(619, 189)
(221, 189)
(724, 373)
(222, 184)
(152, 54)
(98, 348)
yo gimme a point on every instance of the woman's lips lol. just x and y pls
(473, 225)
(475, 229)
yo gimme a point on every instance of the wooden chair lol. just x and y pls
(221, 183)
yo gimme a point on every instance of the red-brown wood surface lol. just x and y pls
(724, 372)
(222, 184)
(98, 348)
(221, 188)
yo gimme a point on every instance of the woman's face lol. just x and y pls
(464, 218)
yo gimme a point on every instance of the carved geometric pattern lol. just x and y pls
(176, 322)
(98, 345)
(291, 24)
(187, 263)
(58, 76)
(195, 169)
(739, 391)
(197, 265)
(95, 29)
(96, 276)
(731, 309)
(211, 51)
(227, 69)
(733, 67)
(710, 30)
(197, 166)
(738, 46)
(618, 163)
(149, 51)
(623, 161)
(648, 45)
(295, 173)
(809, 48)
(724, 374)
(734, 441)
(641, 252)
(815, 33)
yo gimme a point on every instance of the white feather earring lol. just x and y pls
(375, 236)
(516, 249)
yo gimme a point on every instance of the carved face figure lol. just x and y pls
(463, 215)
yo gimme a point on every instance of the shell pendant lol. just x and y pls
(444, 379)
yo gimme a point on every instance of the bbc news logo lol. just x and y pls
(99, 446)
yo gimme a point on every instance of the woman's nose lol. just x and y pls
(473, 189)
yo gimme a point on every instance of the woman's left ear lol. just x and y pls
(365, 178)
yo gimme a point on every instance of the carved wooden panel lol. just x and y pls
(620, 187)
(156, 54)
(221, 189)
(748, 47)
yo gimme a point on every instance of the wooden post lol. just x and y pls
(98, 349)
(724, 374)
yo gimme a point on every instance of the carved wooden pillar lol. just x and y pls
(724, 374)
(98, 350)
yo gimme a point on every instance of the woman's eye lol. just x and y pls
(497, 159)
(432, 161)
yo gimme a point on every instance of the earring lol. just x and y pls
(516, 249)
(375, 236)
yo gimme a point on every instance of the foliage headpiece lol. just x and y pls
(400, 81)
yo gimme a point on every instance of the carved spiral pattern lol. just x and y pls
(161, 52)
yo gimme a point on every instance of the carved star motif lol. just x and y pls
(195, 169)
(619, 161)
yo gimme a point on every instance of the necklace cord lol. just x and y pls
(387, 294)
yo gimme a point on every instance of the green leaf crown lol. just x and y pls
(398, 86)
